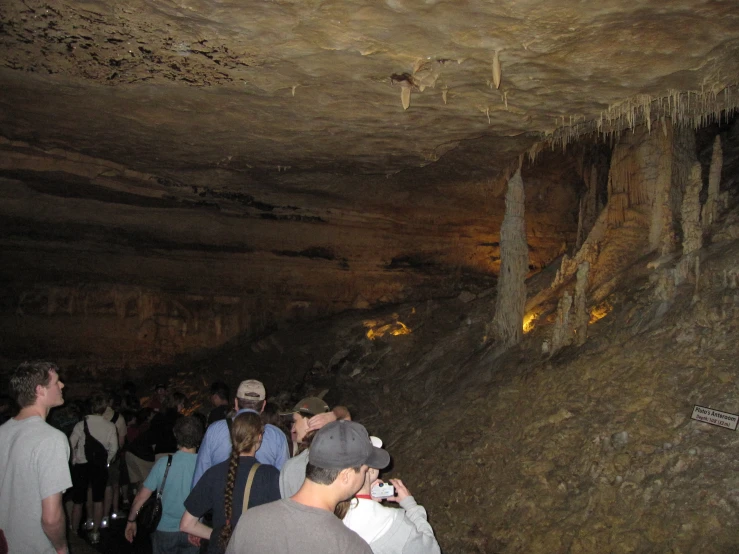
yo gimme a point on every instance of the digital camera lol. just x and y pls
(383, 490)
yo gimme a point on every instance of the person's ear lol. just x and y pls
(236, 404)
(345, 477)
(264, 403)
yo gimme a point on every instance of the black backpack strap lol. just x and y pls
(115, 417)
(164, 479)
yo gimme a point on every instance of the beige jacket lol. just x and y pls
(100, 428)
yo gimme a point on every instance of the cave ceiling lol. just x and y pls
(204, 89)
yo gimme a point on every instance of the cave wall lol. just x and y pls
(105, 267)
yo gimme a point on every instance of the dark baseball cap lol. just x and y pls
(342, 444)
(309, 407)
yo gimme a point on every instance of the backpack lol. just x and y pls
(94, 450)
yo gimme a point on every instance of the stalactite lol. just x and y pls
(562, 333)
(514, 262)
(691, 209)
(689, 108)
(710, 210)
(582, 317)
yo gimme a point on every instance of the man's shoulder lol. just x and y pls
(315, 524)
(274, 433)
(297, 463)
(268, 511)
(216, 427)
(32, 435)
(35, 426)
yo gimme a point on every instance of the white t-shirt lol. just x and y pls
(34, 461)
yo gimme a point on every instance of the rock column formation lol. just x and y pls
(511, 299)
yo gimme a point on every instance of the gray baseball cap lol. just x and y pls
(342, 444)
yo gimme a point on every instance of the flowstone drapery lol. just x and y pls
(514, 262)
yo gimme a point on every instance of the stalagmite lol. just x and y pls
(691, 209)
(514, 263)
(582, 317)
(710, 210)
(562, 333)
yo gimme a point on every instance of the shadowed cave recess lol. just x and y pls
(327, 196)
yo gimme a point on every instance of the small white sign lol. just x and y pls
(714, 417)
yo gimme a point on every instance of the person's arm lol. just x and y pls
(192, 525)
(74, 438)
(318, 421)
(203, 461)
(141, 497)
(112, 446)
(121, 431)
(53, 522)
(423, 540)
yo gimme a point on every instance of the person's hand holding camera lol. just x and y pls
(401, 491)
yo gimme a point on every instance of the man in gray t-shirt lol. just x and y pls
(339, 458)
(33, 465)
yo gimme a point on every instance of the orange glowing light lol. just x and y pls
(599, 312)
(376, 330)
(529, 321)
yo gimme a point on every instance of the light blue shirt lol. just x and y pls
(216, 447)
(176, 488)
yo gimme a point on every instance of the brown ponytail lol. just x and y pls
(245, 432)
(233, 466)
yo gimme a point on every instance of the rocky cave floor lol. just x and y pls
(591, 450)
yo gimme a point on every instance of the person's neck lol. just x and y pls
(251, 453)
(33, 410)
(188, 450)
(316, 496)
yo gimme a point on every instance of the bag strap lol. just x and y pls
(249, 482)
(166, 471)
(87, 429)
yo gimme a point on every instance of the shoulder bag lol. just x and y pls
(150, 513)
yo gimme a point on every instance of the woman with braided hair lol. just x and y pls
(222, 488)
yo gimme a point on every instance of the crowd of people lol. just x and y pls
(247, 478)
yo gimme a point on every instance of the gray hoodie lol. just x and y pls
(390, 530)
